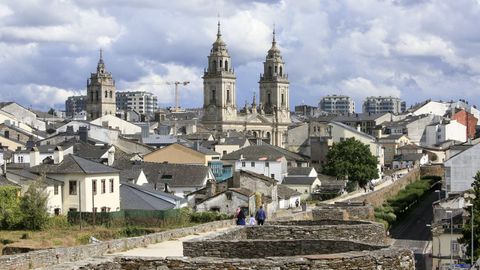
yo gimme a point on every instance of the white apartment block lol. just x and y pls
(383, 105)
(337, 104)
(140, 101)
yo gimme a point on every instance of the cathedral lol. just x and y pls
(269, 119)
(100, 92)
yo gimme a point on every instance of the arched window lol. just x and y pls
(111, 93)
(283, 100)
(96, 94)
(281, 71)
(276, 69)
(91, 99)
(269, 99)
(106, 93)
(228, 95)
(214, 95)
(214, 65)
(270, 71)
(221, 63)
(226, 65)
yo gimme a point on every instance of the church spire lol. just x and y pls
(101, 64)
(273, 40)
(219, 34)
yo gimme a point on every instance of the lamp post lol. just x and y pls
(451, 235)
(470, 198)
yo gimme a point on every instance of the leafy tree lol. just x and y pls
(467, 228)
(10, 215)
(352, 160)
(33, 205)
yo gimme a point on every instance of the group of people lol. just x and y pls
(259, 218)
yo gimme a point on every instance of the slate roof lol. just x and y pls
(263, 152)
(244, 191)
(182, 175)
(28, 176)
(408, 157)
(198, 147)
(298, 180)
(233, 141)
(295, 171)
(285, 192)
(134, 197)
(74, 165)
(259, 176)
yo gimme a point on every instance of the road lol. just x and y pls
(414, 225)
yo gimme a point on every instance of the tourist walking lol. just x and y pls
(240, 217)
(251, 221)
(260, 216)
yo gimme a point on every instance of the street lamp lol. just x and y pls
(470, 197)
(451, 235)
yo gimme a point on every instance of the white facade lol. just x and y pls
(382, 105)
(113, 122)
(106, 198)
(140, 101)
(103, 134)
(438, 133)
(337, 104)
(288, 203)
(433, 107)
(274, 169)
(25, 116)
(460, 170)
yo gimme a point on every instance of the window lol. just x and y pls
(267, 164)
(94, 186)
(56, 211)
(243, 163)
(272, 175)
(55, 189)
(72, 209)
(454, 246)
(72, 187)
(214, 95)
(111, 94)
(252, 164)
(270, 71)
(283, 100)
(106, 94)
(104, 209)
(104, 187)
(111, 185)
(224, 152)
(228, 96)
(226, 65)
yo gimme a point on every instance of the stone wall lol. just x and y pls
(271, 248)
(343, 211)
(376, 198)
(49, 257)
(385, 259)
(437, 170)
(368, 233)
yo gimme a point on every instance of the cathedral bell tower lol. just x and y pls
(274, 92)
(219, 97)
(100, 92)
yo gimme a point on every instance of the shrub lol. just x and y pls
(58, 222)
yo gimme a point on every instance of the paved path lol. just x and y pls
(166, 248)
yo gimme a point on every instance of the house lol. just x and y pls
(404, 161)
(287, 197)
(467, 119)
(10, 143)
(90, 130)
(227, 145)
(271, 161)
(460, 170)
(135, 197)
(304, 180)
(245, 190)
(113, 122)
(449, 218)
(159, 141)
(390, 145)
(182, 154)
(88, 186)
(413, 126)
(23, 115)
(445, 130)
(177, 179)
(23, 136)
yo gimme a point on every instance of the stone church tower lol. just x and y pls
(100, 92)
(274, 93)
(219, 97)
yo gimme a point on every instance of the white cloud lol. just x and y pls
(361, 88)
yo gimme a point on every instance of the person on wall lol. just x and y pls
(240, 215)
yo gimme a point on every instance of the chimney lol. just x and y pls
(69, 130)
(222, 140)
(58, 155)
(111, 156)
(34, 157)
(83, 134)
(211, 187)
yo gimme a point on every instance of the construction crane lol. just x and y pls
(176, 92)
(176, 83)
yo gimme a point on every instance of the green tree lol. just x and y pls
(10, 215)
(352, 160)
(467, 228)
(33, 205)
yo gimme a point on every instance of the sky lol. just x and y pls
(412, 49)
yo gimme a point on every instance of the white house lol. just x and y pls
(446, 130)
(23, 115)
(461, 168)
(113, 122)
